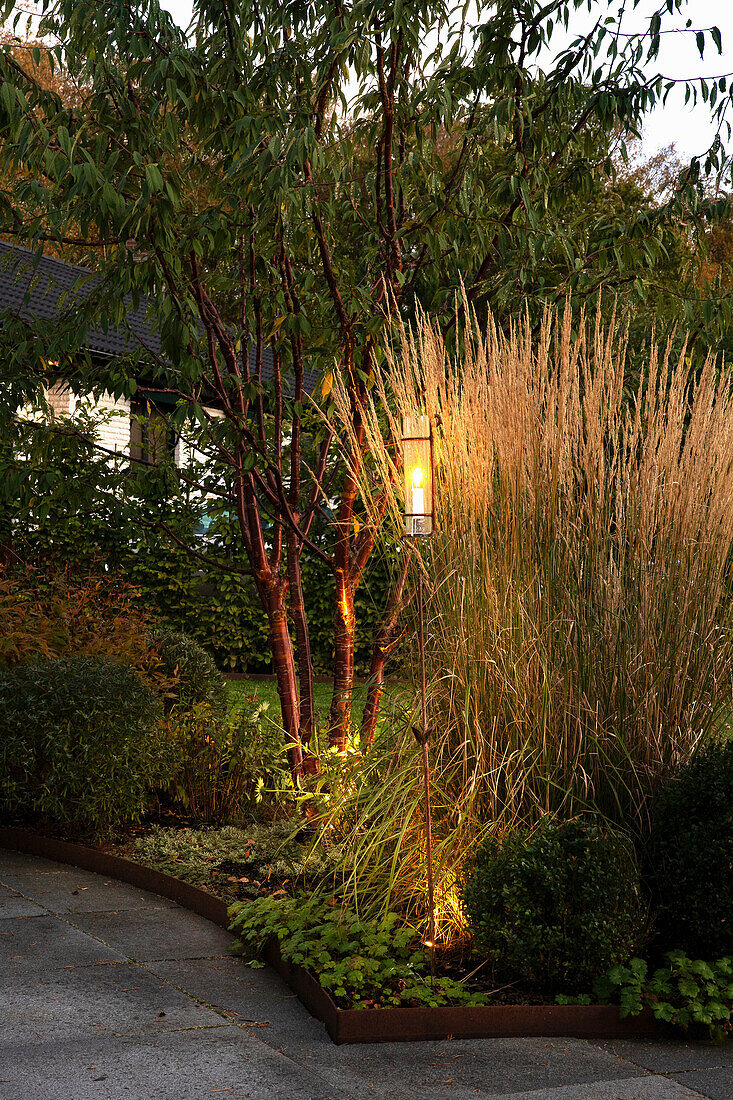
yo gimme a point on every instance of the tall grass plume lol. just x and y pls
(579, 617)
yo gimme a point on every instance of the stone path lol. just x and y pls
(109, 992)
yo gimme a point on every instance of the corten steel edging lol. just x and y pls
(388, 1025)
(345, 1025)
(104, 863)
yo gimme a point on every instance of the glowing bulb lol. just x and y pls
(418, 493)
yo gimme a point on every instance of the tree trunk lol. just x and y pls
(339, 719)
(302, 638)
(283, 658)
(384, 642)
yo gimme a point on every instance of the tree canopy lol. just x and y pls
(296, 177)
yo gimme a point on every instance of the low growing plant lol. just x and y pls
(233, 861)
(682, 992)
(362, 963)
(557, 906)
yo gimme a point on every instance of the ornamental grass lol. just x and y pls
(579, 641)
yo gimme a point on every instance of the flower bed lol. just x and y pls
(345, 1025)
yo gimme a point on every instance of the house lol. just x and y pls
(50, 288)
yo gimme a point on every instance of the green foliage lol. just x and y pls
(196, 677)
(231, 861)
(230, 764)
(691, 859)
(555, 907)
(81, 742)
(505, 168)
(220, 610)
(361, 963)
(683, 992)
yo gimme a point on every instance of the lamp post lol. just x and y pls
(417, 458)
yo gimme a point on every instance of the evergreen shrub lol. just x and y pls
(192, 671)
(692, 856)
(82, 744)
(556, 907)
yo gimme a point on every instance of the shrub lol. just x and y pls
(226, 764)
(692, 856)
(60, 613)
(81, 742)
(192, 670)
(556, 907)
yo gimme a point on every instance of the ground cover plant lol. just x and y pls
(232, 862)
(361, 963)
(687, 993)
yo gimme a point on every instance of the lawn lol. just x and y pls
(395, 696)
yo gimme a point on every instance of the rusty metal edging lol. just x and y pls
(345, 1025)
(104, 863)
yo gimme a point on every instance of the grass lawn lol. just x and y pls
(395, 696)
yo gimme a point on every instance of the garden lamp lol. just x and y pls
(417, 460)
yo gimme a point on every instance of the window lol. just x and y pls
(152, 440)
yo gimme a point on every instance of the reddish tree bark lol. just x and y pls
(384, 643)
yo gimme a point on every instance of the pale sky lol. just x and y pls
(689, 129)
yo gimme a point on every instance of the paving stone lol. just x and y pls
(80, 1019)
(13, 904)
(113, 999)
(143, 934)
(638, 1088)
(68, 890)
(184, 1065)
(18, 861)
(714, 1083)
(259, 996)
(47, 943)
(459, 1068)
(672, 1057)
(385, 1070)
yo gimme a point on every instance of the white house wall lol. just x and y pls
(114, 432)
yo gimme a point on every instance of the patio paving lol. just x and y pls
(107, 991)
